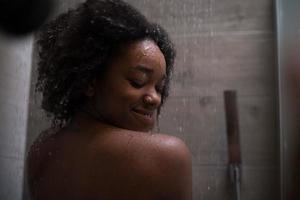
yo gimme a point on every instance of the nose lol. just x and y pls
(152, 99)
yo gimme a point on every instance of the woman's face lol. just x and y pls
(130, 92)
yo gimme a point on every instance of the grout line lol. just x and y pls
(221, 97)
(224, 33)
(244, 167)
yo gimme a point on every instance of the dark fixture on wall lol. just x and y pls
(234, 149)
(21, 17)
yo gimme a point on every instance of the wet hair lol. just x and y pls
(77, 46)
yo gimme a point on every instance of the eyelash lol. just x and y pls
(138, 85)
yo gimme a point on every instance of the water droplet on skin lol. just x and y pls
(208, 188)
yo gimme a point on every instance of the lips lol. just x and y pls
(143, 115)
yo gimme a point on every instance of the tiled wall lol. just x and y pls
(221, 44)
(15, 68)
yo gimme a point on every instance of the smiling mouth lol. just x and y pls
(146, 116)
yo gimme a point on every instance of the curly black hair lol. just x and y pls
(75, 47)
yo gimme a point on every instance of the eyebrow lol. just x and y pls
(143, 69)
(147, 71)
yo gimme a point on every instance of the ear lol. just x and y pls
(91, 89)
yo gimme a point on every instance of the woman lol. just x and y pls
(104, 74)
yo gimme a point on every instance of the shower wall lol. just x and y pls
(15, 68)
(221, 44)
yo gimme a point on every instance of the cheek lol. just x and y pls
(130, 96)
(124, 92)
(121, 98)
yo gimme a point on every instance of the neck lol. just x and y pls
(86, 121)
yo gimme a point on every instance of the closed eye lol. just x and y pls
(136, 84)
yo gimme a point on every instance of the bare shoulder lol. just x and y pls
(161, 146)
(39, 151)
(171, 146)
(175, 166)
(167, 160)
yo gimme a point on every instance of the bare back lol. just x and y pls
(112, 164)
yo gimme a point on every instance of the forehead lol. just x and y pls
(143, 53)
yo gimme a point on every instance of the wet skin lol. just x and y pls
(130, 93)
(107, 152)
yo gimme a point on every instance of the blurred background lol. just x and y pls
(221, 45)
